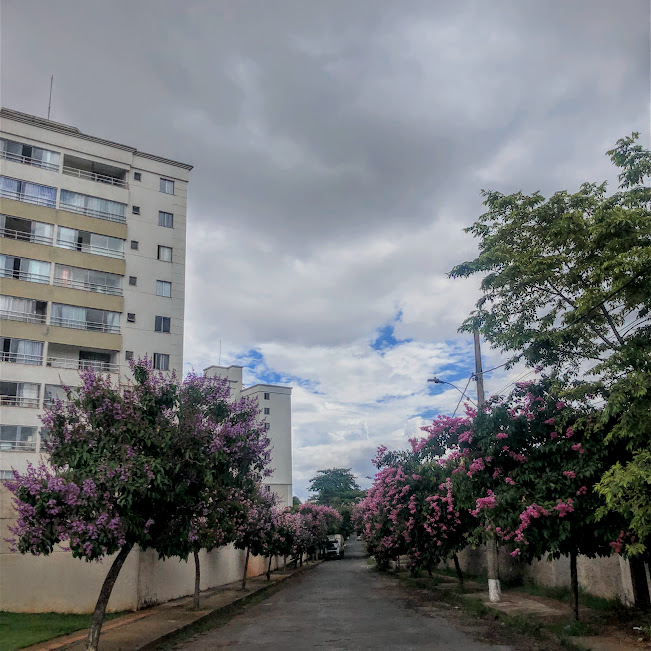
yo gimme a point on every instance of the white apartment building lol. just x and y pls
(275, 404)
(92, 267)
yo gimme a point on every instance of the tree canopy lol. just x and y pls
(567, 284)
(334, 487)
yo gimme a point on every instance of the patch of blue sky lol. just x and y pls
(253, 360)
(385, 335)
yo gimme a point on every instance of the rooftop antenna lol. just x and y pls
(49, 104)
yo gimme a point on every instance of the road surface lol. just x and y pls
(340, 604)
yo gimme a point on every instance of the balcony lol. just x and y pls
(95, 176)
(18, 152)
(27, 317)
(18, 401)
(40, 195)
(83, 364)
(21, 358)
(25, 230)
(24, 275)
(83, 204)
(94, 171)
(80, 324)
(98, 288)
(17, 446)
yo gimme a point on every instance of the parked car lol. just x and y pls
(335, 546)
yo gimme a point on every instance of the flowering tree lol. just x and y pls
(125, 470)
(317, 522)
(255, 528)
(530, 468)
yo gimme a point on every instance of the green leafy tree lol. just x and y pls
(334, 487)
(567, 284)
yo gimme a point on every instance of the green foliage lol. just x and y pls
(567, 284)
(334, 487)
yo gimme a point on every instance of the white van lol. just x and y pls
(335, 546)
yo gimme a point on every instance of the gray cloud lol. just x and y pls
(339, 149)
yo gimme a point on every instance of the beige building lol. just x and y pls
(275, 404)
(92, 267)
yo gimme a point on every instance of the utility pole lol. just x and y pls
(494, 589)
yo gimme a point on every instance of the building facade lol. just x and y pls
(275, 404)
(92, 267)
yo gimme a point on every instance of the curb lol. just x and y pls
(240, 601)
(53, 645)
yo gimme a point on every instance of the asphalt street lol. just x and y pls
(340, 604)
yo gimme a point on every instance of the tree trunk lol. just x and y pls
(429, 570)
(197, 580)
(494, 588)
(246, 567)
(574, 586)
(269, 568)
(640, 585)
(301, 558)
(457, 567)
(104, 596)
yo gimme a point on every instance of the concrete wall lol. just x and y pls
(607, 577)
(61, 583)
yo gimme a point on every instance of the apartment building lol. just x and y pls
(275, 404)
(92, 267)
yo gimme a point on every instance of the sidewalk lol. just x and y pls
(145, 629)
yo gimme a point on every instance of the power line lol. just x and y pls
(462, 395)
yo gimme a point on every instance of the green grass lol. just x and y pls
(586, 599)
(18, 630)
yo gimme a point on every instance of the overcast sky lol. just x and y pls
(339, 149)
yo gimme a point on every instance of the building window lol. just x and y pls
(131, 317)
(41, 195)
(21, 351)
(137, 176)
(167, 186)
(267, 427)
(133, 280)
(135, 210)
(84, 204)
(165, 253)
(6, 475)
(84, 318)
(128, 354)
(70, 238)
(162, 324)
(87, 279)
(165, 219)
(19, 152)
(33, 271)
(161, 362)
(267, 411)
(17, 437)
(134, 245)
(163, 288)
(266, 396)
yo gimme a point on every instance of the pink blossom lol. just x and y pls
(502, 435)
(569, 473)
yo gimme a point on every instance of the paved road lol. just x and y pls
(338, 605)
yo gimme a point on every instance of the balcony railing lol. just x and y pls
(91, 248)
(28, 317)
(24, 237)
(88, 286)
(17, 446)
(83, 364)
(91, 212)
(21, 358)
(18, 401)
(27, 198)
(94, 176)
(24, 275)
(83, 325)
(26, 160)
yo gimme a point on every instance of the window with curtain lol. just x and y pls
(24, 153)
(37, 271)
(161, 361)
(167, 186)
(17, 437)
(21, 351)
(43, 195)
(12, 306)
(164, 288)
(93, 206)
(68, 316)
(165, 219)
(164, 253)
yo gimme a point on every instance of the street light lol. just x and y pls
(463, 393)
